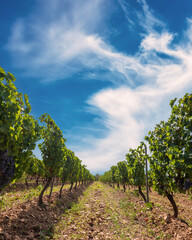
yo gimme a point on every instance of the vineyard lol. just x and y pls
(144, 196)
(95, 211)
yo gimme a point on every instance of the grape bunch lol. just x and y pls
(187, 184)
(7, 168)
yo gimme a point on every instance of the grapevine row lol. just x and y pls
(170, 158)
(19, 133)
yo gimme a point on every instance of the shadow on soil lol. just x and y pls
(22, 187)
(29, 221)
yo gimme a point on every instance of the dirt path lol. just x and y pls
(105, 213)
(98, 215)
(97, 212)
(89, 219)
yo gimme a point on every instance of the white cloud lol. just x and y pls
(150, 79)
(157, 42)
(67, 33)
(147, 19)
(189, 30)
(126, 9)
(131, 112)
(18, 30)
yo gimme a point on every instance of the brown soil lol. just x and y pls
(91, 221)
(108, 213)
(29, 221)
(100, 213)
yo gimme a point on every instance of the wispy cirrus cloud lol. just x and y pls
(147, 20)
(164, 70)
(57, 33)
(126, 9)
(69, 37)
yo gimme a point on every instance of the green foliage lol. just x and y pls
(53, 146)
(136, 163)
(113, 170)
(66, 169)
(36, 167)
(118, 177)
(97, 177)
(123, 172)
(19, 131)
(171, 145)
(149, 205)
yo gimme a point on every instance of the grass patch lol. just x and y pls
(15, 197)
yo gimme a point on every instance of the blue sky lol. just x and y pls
(105, 70)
